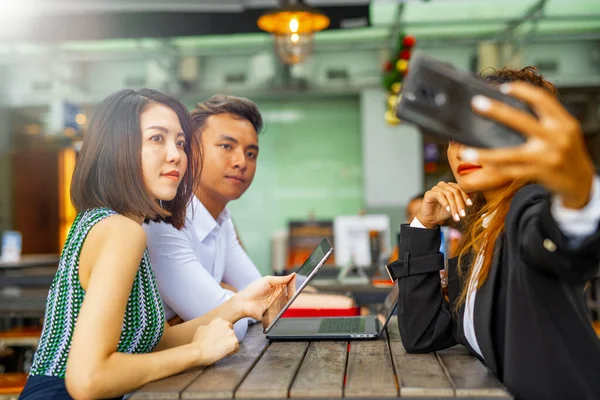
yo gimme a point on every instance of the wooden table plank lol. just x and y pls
(167, 388)
(419, 375)
(274, 373)
(220, 380)
(322, 372)
(370, 372)
(469, 376)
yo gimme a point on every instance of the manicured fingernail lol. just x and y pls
(463, 213)
(504, 88)
(469, 202)
(481, 103)
(448, 208)
(469, 154)
(456, 217)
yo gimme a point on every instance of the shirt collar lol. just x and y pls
(200, 219)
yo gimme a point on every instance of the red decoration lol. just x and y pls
(395, 69)
(409, 41)
(430, 167)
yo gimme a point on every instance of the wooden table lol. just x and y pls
(378, 369)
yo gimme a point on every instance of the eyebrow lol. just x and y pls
(234, 140)
(158, 128)
(163, 129)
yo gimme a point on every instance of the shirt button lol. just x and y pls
(549, 245)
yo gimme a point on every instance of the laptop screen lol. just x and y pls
(305, 273)
(387, 309)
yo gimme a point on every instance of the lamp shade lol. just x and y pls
(292, 27)
(293, 18)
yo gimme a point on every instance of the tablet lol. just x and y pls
(282, 300)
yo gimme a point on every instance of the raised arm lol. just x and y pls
(424, 316)
(559, 232)
(555, 241)
(112, 251)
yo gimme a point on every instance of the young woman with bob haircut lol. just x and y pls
(104, 329)
(531, 243)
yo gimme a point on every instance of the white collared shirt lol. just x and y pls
(575, 224)
(191, 263)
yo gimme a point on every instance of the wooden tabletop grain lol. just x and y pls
(374, 369)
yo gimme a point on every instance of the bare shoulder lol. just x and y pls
(117, 229)
(115, 237)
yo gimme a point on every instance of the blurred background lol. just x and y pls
(327, 149)
(324, 84)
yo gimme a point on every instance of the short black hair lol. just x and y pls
(239, 107)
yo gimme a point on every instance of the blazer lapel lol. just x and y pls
(484, 302)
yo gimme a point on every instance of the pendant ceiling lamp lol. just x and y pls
(292, 26)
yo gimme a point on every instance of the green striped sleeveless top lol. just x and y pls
(144, 317)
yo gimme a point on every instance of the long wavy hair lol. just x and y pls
(477, 239)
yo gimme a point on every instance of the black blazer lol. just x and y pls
(530, 315)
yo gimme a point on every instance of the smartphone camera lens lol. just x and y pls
(431, 95)
(425, 92)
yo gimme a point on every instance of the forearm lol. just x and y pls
(122, 373)
(424, 318)
(579, 224)
(543, 244)
(182, 334)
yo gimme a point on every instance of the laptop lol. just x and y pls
(336, 328)
(282, 300)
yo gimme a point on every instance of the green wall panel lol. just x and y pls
(310, 162)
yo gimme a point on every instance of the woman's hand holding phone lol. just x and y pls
(554, 154)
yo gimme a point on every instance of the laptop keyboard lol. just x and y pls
(342, 325)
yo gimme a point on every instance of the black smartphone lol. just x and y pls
(437, 98)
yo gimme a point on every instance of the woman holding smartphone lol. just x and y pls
(104, 329)
(531, 242)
